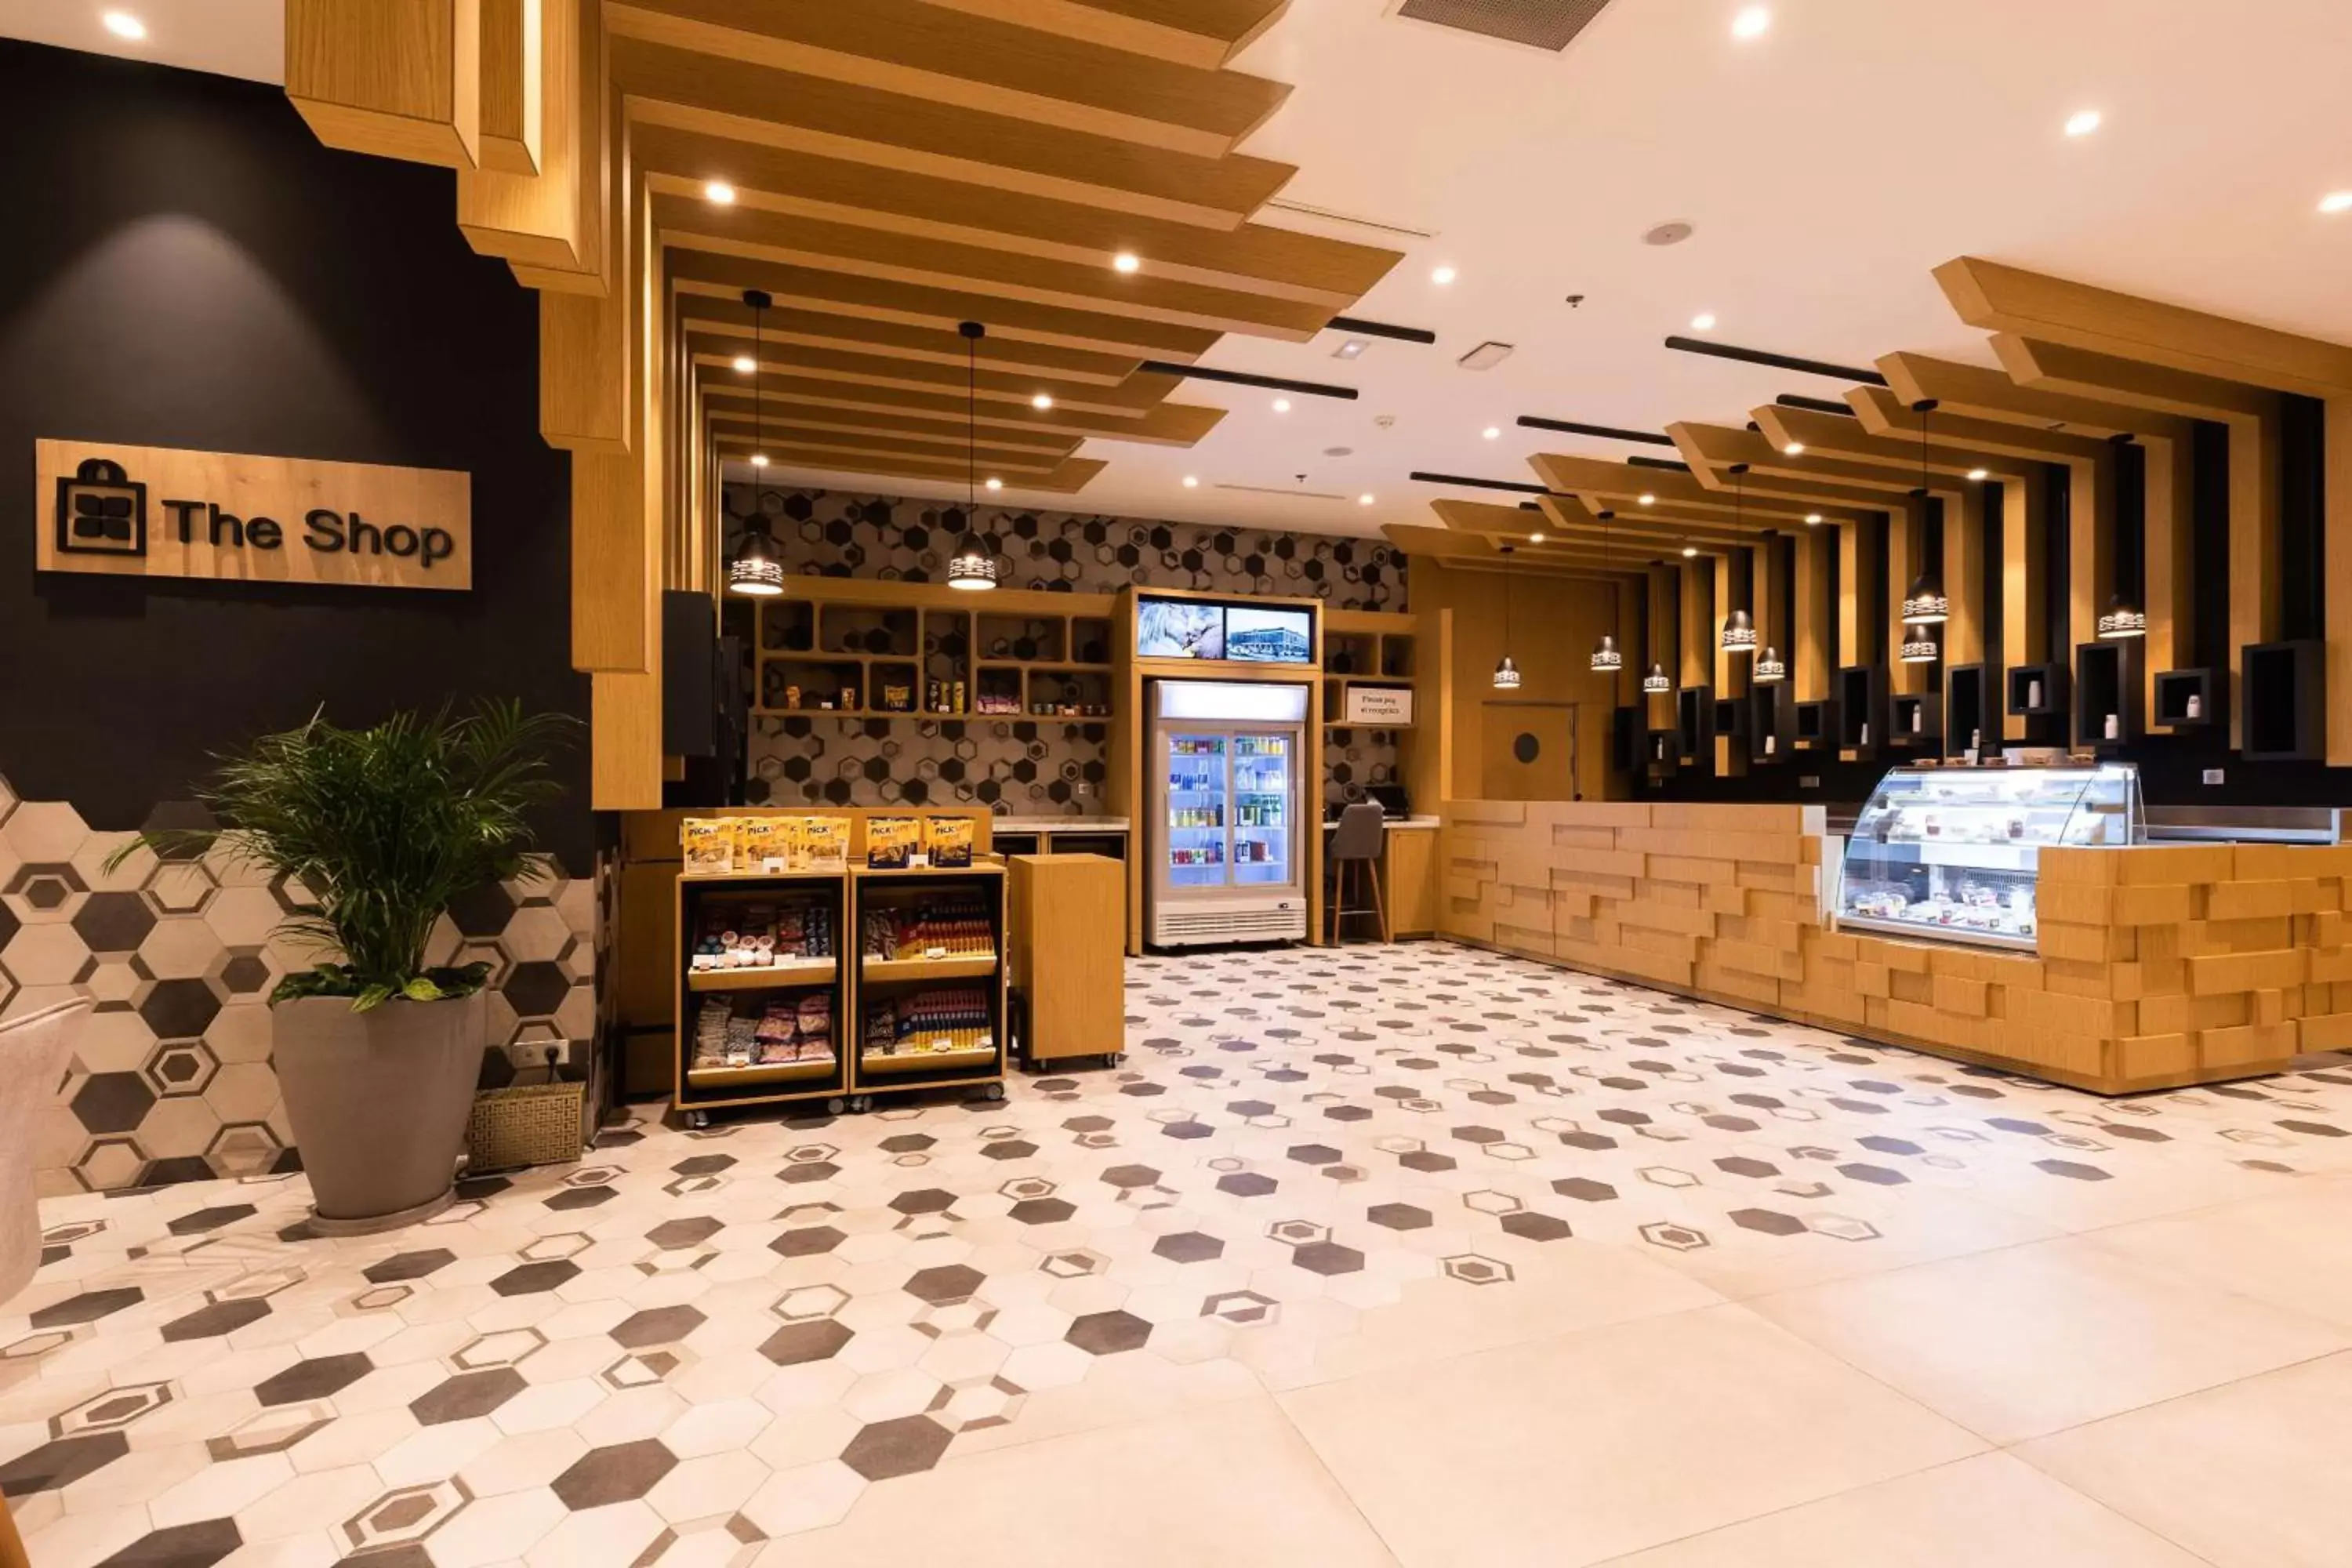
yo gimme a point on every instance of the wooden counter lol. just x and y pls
(2158, 965)
(1408, 873)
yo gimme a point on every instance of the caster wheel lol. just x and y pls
(995, 1091)
(697, 1120)
(861, 1104)
(835, 1106)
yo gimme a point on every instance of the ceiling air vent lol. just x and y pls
(1540, 24)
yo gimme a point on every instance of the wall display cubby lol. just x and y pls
(1862, 711)
(2185, 699)
(855, 649)
(2283, 687)
(2106, 686)
(1915, 722)
(1380, 659)
(1968, 718)
(1772, 722)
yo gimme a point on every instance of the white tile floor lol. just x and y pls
(1413, 1255)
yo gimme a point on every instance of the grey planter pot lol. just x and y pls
(378, 1101)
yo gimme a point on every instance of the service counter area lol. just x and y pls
(2154, 965)
(1408, 873)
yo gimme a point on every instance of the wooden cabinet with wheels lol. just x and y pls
(1069, 974)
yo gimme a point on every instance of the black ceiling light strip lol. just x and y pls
(1243, 378)
(1778, 362)
(1517, 486)
(1382, 330)
(1814, 404)
(1640, 462)
(1606, 432)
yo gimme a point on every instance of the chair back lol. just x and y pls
(1361, 828)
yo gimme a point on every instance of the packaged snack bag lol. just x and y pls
(827, 839)
(763, 844)
(947, 840)
(708, 843)
(891, 841)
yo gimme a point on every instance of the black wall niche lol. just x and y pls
(186, 266)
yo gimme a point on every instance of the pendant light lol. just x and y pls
(1655, 683)
(1738, 627)
(971, 567)
(2122, 621)
(756, 572)
(1925, 606)
(1770, 668)
(1606, 658)
(1507, 674)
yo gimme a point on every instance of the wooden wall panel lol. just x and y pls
(1810, 663)
(2024, 574)
(533, 215)
(1696, 623)
(398, 78)
(2338, 551)
(513, 95)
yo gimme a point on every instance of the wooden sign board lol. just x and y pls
(159, 512)
(1378, 705)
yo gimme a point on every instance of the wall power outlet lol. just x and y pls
(2212, 775)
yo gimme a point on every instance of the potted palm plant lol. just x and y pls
(377, 1052)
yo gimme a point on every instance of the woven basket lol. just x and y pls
(531, 1124)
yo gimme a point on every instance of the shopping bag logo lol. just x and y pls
(101, 511)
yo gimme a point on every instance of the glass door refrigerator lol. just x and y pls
(1226, 839)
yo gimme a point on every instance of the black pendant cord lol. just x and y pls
(972, 432)
(759, 412)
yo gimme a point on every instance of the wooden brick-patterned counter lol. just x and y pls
(2158, 965)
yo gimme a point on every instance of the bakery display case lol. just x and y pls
(1954, 854)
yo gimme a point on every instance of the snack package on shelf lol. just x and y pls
(763, 843)
(953, 925)
(710, 1033)
(947, 840)
(708, 844)
(826, 843)
(891, 841)
(761, 935)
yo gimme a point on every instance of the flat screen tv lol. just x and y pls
(1269, 636)
(1179, 628)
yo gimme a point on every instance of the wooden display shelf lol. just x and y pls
(902, 1062)
(981, 866)
(703, 879)
(765, 1073)
(765, 977)
(957, 966)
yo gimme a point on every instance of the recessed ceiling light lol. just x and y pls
(1979, 475)
(1794, 449)
(995, 483)
(719, 191)
(1125, 261)
(758, 459)
(2336, 201)
(1282, 406)
(2082, 122)
(1647, 500)
(1535, 539)
(1690, 552)
(1703, 322)
(1192, 483)
(1441, 274)
(1492, 432)
(124, 24)
(1752, 22)
(1811, 518)
(1364, 500)
(1044, 400)
(745, 365)
(1350, 349)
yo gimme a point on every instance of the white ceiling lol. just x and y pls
(229, 38)
(1828, 166)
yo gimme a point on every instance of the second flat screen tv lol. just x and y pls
(1269, 636)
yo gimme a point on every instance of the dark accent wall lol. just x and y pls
(186, 266)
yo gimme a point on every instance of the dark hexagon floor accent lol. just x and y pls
(620, 1472)
(315, 1378)
(795, 1343)
(901, 1446)
(197, 1545)
(1108, 1333)
(217, 1318)
(656, 1326)
(466, 1396)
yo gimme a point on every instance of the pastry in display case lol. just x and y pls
(1955, 853)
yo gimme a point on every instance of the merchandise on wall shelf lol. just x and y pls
(937, 926)
(730, 1035)
(764, 936)
(939, 1028)
(739, 845)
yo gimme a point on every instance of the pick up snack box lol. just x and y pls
(891, 841)
(947, 840)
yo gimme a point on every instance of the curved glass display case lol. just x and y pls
(1954, 854)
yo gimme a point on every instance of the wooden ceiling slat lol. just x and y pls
(2005, 444)
(1618, 486)
(749, 102)
(744, 417)
(2062, 367)
(1254, 258)
(1068, 478)
(777, 434)
(913, 305)
(1169, 425)
(972, 61)
(1126, 400)
(697, 225)
(1201, 33)
(1971, 391)
(815, 337)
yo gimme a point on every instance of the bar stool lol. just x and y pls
(1356, 842)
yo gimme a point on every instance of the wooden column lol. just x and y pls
(2168, 554)
(2337, 550)
(1697, 623)
(2024, 569)
(2091, 552)
(1964, 521)
(513, 96)
(2255, 597)
(1731, 669)
(1902, 565)
(1771, 582)
(1663, 642)
(536, 213)
(1809, 661)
